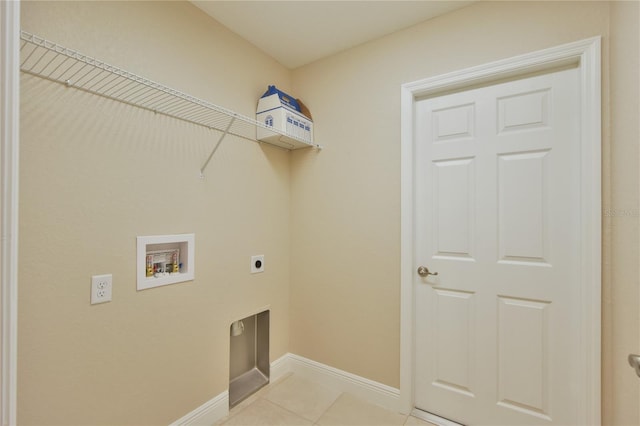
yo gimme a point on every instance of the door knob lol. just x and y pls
(423, 271)
(634, 361)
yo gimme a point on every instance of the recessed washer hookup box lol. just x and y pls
(283, 113)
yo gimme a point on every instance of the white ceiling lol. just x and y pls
(296, 33)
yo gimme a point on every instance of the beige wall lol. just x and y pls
(95, 174)
(345, 215)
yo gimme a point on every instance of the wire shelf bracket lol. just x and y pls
(51, 61)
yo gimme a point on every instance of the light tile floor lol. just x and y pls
(293, 400)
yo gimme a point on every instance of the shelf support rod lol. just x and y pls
(222, 136)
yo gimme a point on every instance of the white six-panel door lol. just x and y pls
(498, 218)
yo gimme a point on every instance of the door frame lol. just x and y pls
(584, 54)
(9, 151)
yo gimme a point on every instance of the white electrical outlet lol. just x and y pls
(101, 288)
(257, 263)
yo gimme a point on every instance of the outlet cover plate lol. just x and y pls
(257, 263)
(101, 288)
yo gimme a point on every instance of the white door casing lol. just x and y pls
(9, 151)
(585, 56)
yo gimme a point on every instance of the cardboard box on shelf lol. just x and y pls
(285, 114)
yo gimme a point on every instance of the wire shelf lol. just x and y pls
(53, 62)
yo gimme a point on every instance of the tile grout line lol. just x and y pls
(264, 393)
(256, 396)
(328, 408)
(283, 408)
(314, 422)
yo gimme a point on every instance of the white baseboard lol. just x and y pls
(279, 368)
(208, 413)
(376, 393)
(368, 390)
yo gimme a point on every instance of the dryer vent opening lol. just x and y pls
(249, 356)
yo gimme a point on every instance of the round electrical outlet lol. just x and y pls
(257, 263)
